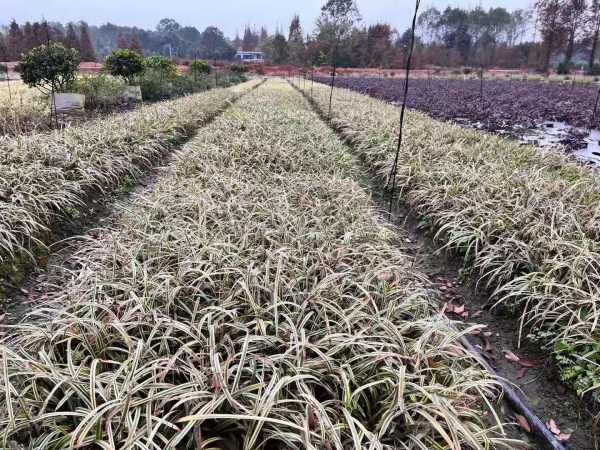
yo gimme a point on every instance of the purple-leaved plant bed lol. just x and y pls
(506, 107)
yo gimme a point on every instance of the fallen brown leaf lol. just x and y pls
(488, 347)
(551, 424)
(563, 437)
(523, 362)
(522, 421)
(449, 307)
(459, 310)
(521, 373)
(511, 356)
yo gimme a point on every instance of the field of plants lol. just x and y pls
(525, 223)
(500, 106)
(252, 297)
(27, 110)
(22, 109)
(47, 177)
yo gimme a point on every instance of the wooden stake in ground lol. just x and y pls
(394, 170)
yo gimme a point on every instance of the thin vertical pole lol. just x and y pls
(312, 81)
(53, 107)
(481, 85)
(394, 170)
(8, 84)
(337, 43)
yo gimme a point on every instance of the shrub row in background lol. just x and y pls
(53, 68)
(526, 222)
(44, 177)
(250, 299)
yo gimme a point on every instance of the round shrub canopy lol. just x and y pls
(49, 67)
(124, 63)
(161, 65)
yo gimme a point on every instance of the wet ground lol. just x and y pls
(584, 144)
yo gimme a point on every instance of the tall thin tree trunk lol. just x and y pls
(570, 48)
(594, 47)
(548, 54)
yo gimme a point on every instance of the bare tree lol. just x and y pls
(593, 26)
(341, 14)
(551, 27)
(573, 18)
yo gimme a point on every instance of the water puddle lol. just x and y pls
(582, 143)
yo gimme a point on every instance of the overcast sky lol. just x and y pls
(229, 15)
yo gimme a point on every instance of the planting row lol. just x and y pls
(251, 299)
(26, 110)
(526, 223)
(493, 106)
(46, 177)
(22, 110)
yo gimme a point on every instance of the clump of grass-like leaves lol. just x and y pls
(526, 222)
(44, 177)
(251, 299)
(22, 109)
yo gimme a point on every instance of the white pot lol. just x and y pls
(67, 103)
(133, 93)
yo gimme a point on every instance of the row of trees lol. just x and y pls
(555, 31)
(168, 39)
(452, 37)
(20, 39)
(566, 26)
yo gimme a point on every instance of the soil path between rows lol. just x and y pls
(539, 382)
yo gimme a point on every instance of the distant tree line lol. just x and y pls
(19, 39)
(561, 33)
(569, 28)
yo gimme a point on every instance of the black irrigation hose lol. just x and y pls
(538, 428)
(394, 170)
(512, 398)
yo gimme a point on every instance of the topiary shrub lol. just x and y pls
(50, 67)
(124, 63)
